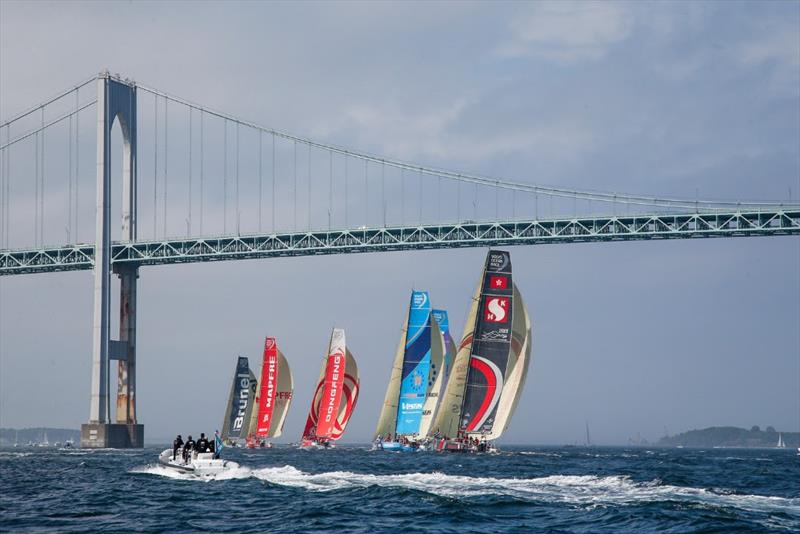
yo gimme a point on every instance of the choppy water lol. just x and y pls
(356, 490)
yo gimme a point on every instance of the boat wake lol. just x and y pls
(232, 473)
(585, 490)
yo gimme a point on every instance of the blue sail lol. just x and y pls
(416, 364)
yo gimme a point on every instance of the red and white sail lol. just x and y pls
(336, 392)
(275, 392)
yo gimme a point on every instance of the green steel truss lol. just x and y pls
(466, 234)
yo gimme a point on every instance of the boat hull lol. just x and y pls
(393, 446)
(201, 464)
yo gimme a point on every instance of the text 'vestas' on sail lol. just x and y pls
(240, 402)
(491, 364)
(275, 391)
(336, 392)
(416, 378)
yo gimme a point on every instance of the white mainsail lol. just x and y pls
(435, 381)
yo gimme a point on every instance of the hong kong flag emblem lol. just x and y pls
(498, 282)
(496, 310)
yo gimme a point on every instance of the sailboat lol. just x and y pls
(240, 404)
(588, 438)
(335, 396)
(273, 397)
(781, 444)
(491, 364)
(416, 380)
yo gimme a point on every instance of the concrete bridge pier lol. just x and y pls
(116, 100)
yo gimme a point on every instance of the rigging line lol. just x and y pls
(260, 175)
(53, 122)
(47, 102)
(472, 178)
(273, 184)
(166, 157)
(155, 167)
(190, 173)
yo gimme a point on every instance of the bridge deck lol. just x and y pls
(465, 234)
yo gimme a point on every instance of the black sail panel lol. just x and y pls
(490, 346)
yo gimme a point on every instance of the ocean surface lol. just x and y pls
(353, 489)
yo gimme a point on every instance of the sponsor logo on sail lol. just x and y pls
(501, 334)
(497, 261)
(330, 402)
(496, 310)
(498, 282)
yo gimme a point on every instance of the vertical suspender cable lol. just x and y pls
(294, 215)
(202, 167)
(273, 183)
(475, 204)
(236, 188)
(458, 200)
(260, 175)
(36, 195)
(8, 187)
(225, 177)
(330, 190)
(383, 192)
(420, 197)
(69, 179)
(366, 193)
(166, 154)
(190, 173)
(155, 165)
(77, 164)
(41, 196)
(402, 197)
(345, 190)
(308, 184)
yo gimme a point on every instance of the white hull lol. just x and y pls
(200, 464)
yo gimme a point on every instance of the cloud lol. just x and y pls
(568, 31)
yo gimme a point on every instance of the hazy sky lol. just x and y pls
(663, 99)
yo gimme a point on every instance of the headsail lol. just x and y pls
(388, 418)
(239, 402)
(435, 380)
(336, 393)
(283, 396)
(449, 345)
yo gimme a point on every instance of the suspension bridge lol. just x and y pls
(202, 185)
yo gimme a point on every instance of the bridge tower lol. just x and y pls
(116, 101)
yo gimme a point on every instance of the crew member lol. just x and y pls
(187, 448)
(177, 444)
(202, 443)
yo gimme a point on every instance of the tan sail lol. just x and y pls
(448, 418)
(283, 396)
(388, 418)
(519, 359)
(435, 380)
